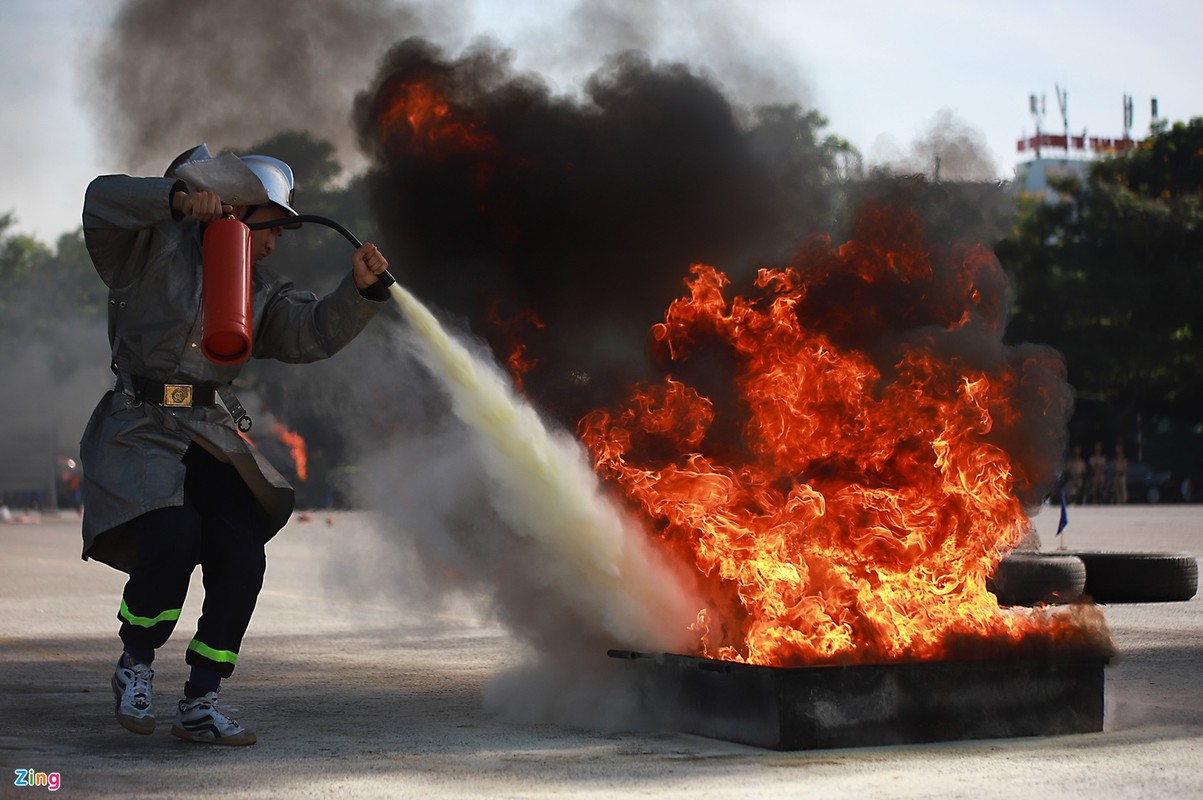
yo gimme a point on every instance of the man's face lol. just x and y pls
(263, 242)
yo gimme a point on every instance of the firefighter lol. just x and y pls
(169, 483)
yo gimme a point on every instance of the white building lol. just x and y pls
(1062, 156)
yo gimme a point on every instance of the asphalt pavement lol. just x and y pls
(355, 697)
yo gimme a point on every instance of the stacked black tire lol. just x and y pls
(1140, 577)
(1031, 578)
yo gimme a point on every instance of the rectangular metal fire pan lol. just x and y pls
(804, 708)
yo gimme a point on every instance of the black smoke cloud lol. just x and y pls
(586, 211)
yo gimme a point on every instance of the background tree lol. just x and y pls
(52, 324)
(1109, 271)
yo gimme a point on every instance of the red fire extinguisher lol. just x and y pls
(226, 292)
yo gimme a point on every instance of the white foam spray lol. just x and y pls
(580, 553)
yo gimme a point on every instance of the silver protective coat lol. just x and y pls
(152, 265)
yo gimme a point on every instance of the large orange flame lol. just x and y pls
(861, 514)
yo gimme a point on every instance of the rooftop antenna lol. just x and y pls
(1036, 105)
(1063, 103)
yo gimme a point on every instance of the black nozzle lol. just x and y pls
(385, 277)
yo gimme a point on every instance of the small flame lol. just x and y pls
(512, 327)
(432, 123)
(296, 445)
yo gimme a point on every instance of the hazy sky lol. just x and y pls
(881, 72)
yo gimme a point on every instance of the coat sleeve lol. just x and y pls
(119, 212)
(296, 327)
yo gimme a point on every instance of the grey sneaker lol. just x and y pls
(200, 720)
(131, 691)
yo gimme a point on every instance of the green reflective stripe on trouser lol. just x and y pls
(222, 656)
(170, 615)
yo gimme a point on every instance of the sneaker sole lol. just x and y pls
(140, 725)
(242, 739)
(144, 725)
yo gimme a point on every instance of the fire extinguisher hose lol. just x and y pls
(385, 277)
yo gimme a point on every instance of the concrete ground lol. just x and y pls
(354, 699)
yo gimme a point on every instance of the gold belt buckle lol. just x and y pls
(177, 395)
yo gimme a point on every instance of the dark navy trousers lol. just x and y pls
(218, 528)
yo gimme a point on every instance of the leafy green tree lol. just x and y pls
(40, 286)
(52, 323)
(1110, 272)
(22, 260)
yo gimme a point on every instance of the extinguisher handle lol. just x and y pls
(385, 277)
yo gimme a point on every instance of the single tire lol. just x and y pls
(1026, 579)
(1140, 577)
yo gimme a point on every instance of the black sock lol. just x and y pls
(201, 682)
(136, 655)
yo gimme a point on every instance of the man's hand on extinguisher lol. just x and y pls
(202, 206)
(367, 262)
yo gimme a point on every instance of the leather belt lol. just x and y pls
(174, 395)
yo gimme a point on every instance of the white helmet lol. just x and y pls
(276, 177)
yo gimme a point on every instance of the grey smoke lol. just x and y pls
(949, 149)
(168, 76)
(54, 378)
(506, 508)
(724, 39)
